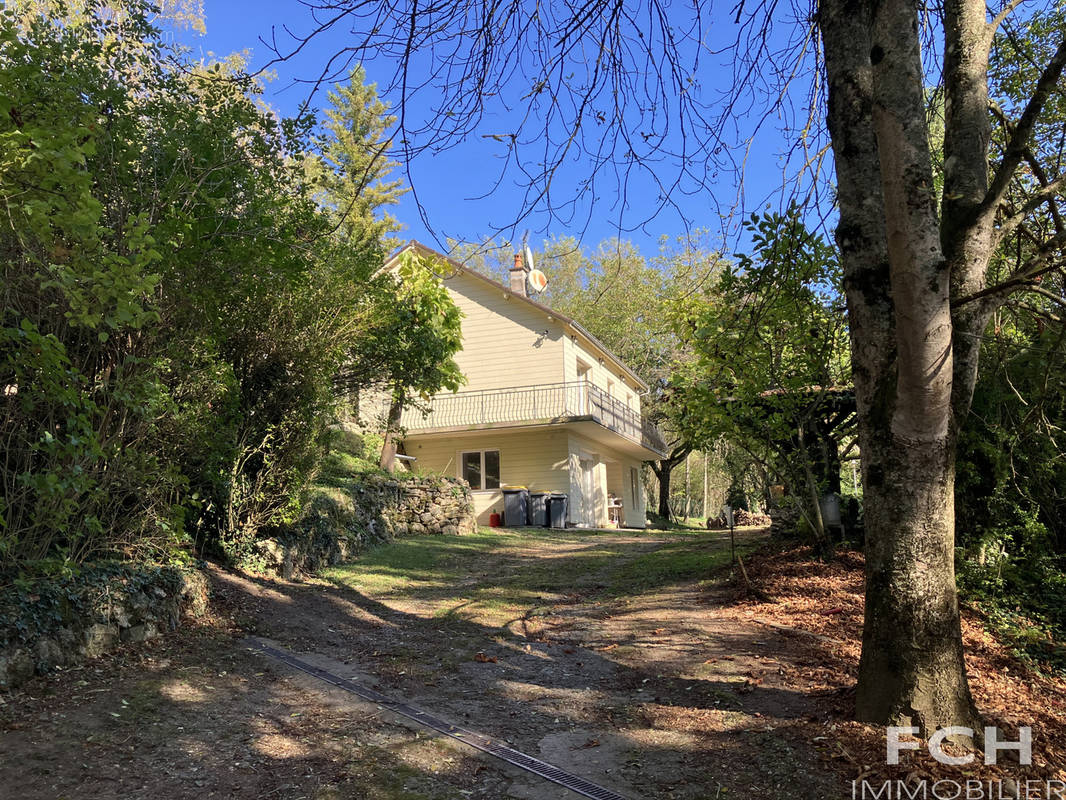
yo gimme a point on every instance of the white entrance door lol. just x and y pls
(588, 491)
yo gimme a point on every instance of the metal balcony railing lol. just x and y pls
(554, 402)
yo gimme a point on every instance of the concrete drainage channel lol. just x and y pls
(478, 741)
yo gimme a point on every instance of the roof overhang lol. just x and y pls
(585, 426)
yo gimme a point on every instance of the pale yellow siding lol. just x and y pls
(534, 459)
(601, 375)
(510, 343)
(506, 341)
(608, 473)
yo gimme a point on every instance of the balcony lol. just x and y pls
(546, 404)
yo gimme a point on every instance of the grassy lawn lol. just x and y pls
(498, 575)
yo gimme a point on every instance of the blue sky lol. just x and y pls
(451, 185)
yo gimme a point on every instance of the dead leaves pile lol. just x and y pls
(826, 599)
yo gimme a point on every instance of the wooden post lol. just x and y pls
(685, 495)
(728, 511)
(706, 490)
(732, 541)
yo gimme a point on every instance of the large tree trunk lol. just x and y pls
(392, 424)
(912, 670)
(662, 472)
(896, 278)
(663, 469)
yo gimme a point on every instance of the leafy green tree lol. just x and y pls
(78, 289)
(769, 363)
(179, 299)
(1011, 484)
(410, 326)
(420, 330)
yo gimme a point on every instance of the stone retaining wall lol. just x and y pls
(784, 520)
(61, 621)
(374, 508)
(57, 622)
(414, 506)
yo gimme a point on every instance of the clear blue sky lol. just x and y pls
(448, 183)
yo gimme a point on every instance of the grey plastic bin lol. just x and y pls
(515, 507)
(538, 508)
(557, 504)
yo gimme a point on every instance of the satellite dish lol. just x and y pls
(537, 280)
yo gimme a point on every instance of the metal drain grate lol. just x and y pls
(476, 740)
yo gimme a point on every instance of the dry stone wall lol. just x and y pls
(57, 622)
(374, 508)
(416, 506)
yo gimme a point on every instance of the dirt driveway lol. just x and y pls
(614, 656)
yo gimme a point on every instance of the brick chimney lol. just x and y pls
(519, 274)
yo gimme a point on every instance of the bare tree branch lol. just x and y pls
(1039, 265)
(1015, 150)
(1047, 194)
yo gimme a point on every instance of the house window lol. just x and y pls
(481, 468)
(634, 486)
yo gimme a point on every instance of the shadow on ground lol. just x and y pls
(687, 699)
(198, 716)
(660, 691)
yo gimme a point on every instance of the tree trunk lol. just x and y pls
(662, 472)
(392, 423)
(813, 495)
(896, 279)
(912, 670)
(706, 490)
(685, 507)
(663, 469)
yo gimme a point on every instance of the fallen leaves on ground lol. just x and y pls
(825, 598)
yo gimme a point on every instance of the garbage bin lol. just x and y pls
(831, 516)
(538, 508)
(557, 510)
(515, 506)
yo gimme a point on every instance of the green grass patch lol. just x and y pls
(677, 562)
(417, 560)
(496, 576)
